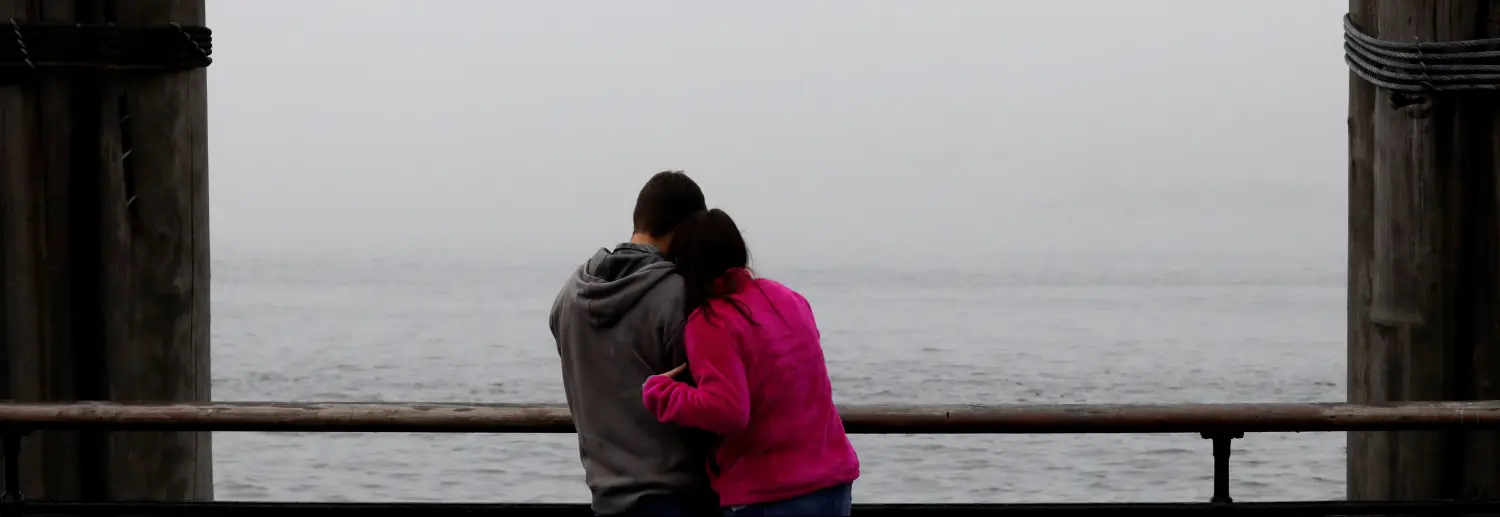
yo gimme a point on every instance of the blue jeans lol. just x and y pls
(829, 501)
(670, 505)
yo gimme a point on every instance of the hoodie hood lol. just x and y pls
(613, 282)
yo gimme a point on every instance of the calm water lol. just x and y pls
(456, 330)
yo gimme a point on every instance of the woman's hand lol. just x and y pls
(659, 391)
(672, 374)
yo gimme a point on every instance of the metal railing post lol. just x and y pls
(10, 442)
(1222, 442)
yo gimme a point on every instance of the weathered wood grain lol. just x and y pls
(156, 267)
(1363, 365)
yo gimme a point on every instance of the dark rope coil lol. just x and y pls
(1422, 66)
(30, 47)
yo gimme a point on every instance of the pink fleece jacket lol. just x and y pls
(764, 388)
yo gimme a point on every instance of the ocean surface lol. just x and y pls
(463, 329)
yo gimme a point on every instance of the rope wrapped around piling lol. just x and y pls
(26, 47)
(1422, 66)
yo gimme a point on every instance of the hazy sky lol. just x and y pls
(834, 130)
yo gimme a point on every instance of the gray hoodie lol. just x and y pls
(617, 321)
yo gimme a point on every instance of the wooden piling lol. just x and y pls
(104, 258)
(37, 166)
(156, 280)
(1422, 287)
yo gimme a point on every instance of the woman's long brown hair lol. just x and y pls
(706, 247)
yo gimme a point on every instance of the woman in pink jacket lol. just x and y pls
(760, 382)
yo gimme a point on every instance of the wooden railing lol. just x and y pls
(1220, 423)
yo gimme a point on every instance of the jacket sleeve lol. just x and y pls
(552, 319)
(720, 402)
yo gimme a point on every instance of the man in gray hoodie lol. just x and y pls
(618, 320)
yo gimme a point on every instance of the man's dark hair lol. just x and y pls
(668, 199)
